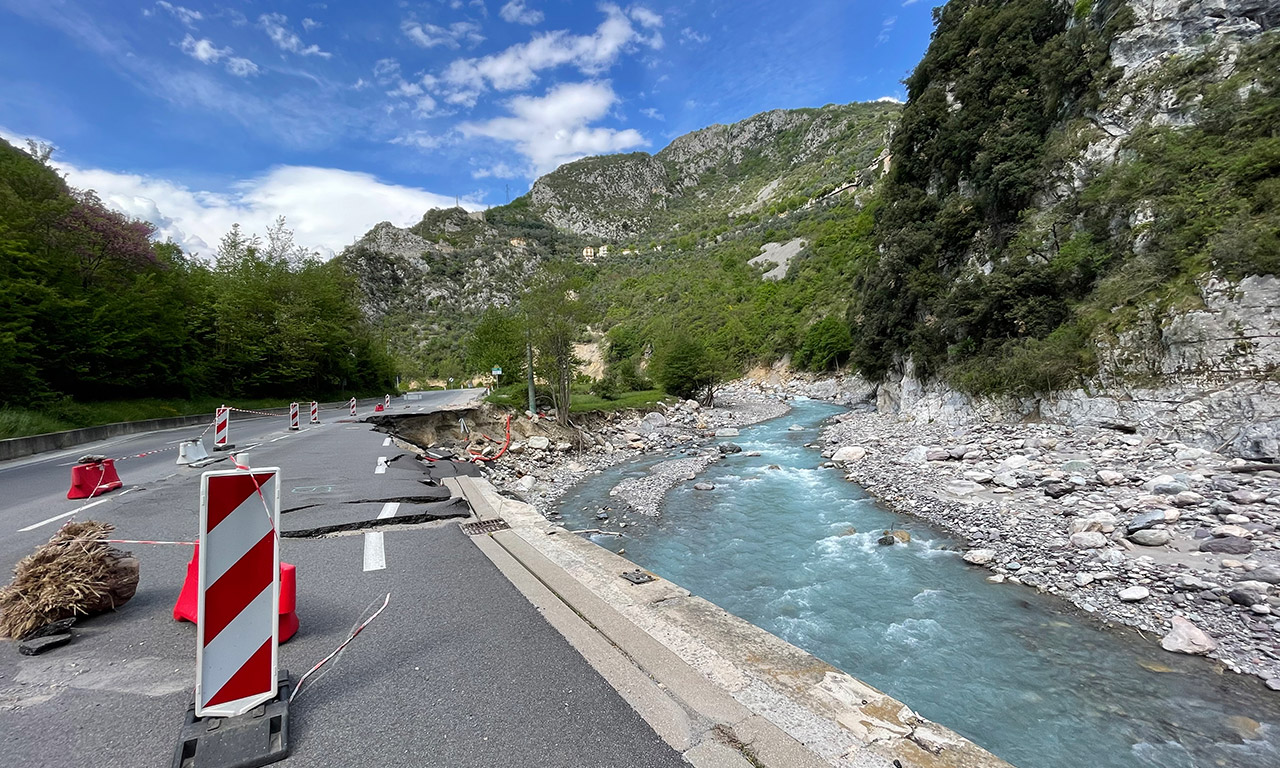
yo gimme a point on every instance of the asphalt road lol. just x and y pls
(460, 670)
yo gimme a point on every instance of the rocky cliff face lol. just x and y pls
(451, 265)
(717, 171)
(612, 198)
(1209, 377)
(1203, 368)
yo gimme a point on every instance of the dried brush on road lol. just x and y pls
(75, 573)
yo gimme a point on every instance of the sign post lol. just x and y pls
(237, 626)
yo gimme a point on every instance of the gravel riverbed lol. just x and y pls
(1178, 542)
(1140, 531)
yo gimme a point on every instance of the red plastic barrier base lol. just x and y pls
(187, 607)
(94, 479)
(378, 408)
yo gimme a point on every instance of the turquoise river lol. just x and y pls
(1026, 676)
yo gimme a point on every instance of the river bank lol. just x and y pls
(1134, 530)
(540, 474)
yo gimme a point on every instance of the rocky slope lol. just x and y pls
(718, 172)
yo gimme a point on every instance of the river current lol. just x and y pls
(791, 547)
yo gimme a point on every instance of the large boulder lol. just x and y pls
(1088, 540)
(1227, 545)
(1151, 537)
(539, 442)
(656, 419)
(979, 556)
(850, 453)
(1186, 637)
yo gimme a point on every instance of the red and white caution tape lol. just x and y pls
(146, 453)
(359, 627)
(259, 413)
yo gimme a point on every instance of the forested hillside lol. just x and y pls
(1062, 177)
(93, 309)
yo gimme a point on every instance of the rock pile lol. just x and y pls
(1151, 533)
(540, 471)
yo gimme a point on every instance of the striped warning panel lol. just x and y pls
(222, 425)
(239, 591)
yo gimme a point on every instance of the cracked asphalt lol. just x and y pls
(460, 670)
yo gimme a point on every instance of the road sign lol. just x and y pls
(237, 627)
(497, 370)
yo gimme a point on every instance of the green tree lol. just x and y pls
(498, 340)
(556, 315)
(826, 346)
(685, 367)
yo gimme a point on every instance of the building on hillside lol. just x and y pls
(519, 242)
(589, 253)
(602, 251)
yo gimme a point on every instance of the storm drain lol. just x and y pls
(485, 526)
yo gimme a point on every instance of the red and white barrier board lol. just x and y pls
(353, 406)
(293, 415)
(239, 591)
(315, 412)
(221, 425)
(386, 402)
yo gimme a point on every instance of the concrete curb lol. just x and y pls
(720, 690)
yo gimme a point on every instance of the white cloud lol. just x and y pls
(386, 70)
(645, 17)
(310, 24)
(206, 52)
(556, 128)
(886, 29)
(652, 114)
(286, 39)
(184, 15)
(327, 208)
(241, 67)
(690, 35)
(203, 50)
(890, 100)
(517, 67)
(430, 36)
(517, 13)
(419, 139)
(496, 171)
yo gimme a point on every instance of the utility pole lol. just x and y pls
(528, 349)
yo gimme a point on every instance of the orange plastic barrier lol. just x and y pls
(93, 479)
(187, 606)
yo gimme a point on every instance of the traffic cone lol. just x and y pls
(187, 607)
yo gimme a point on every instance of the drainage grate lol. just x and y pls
(485, 526)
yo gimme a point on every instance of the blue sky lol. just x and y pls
(342, 114)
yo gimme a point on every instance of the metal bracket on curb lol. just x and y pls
(637, 576)
(258, 737)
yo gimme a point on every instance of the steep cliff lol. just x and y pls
(1119, 269)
